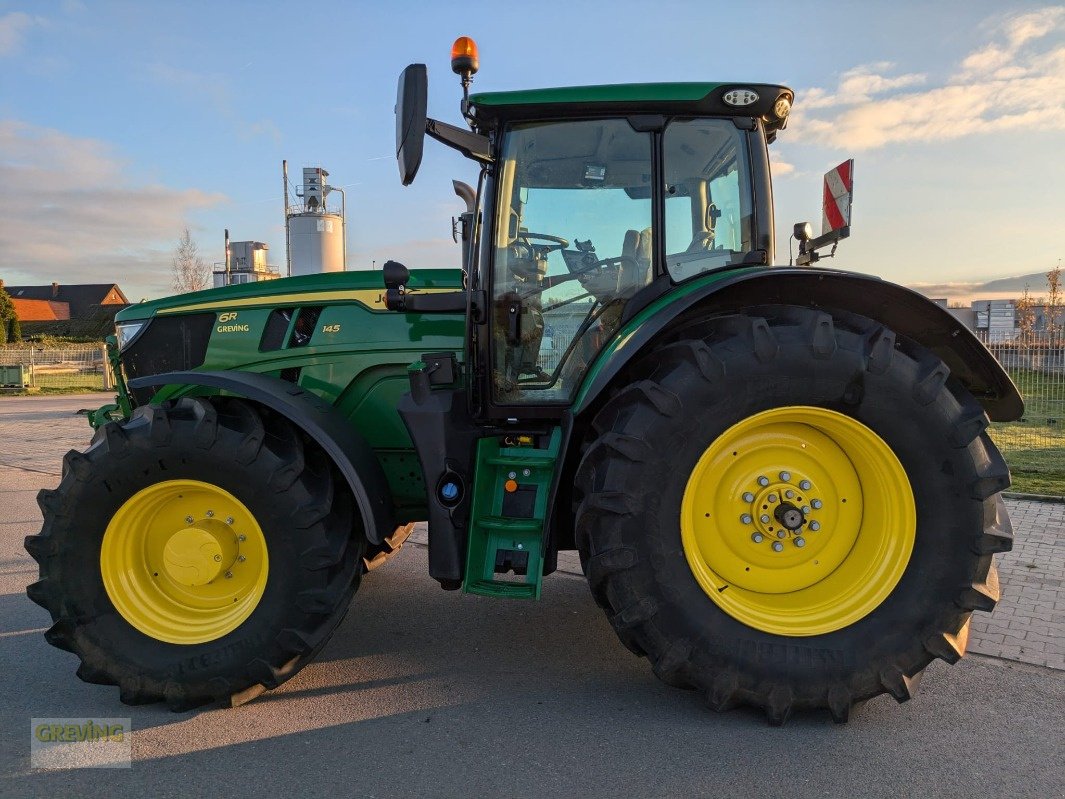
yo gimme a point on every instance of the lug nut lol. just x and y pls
(241, 558)
(806, 509)
(746, 518)
(229, 575)
(772, 497)
(785, 476)
(188, 520)
(757, 538)
(763, 481)
(748, 497)
(815, 526)
(764, 518)
(781, 534)
(229, 520)
(210, 513)
(242, 537)
(778, 547)
(217, 558)
(805, 485)
(800, 542)
(816, 503)
(789, 493)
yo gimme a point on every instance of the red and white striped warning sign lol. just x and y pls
(839, 189)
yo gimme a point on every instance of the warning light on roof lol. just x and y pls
(464, 56)
(782, 107)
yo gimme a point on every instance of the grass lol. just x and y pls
(1034, 446)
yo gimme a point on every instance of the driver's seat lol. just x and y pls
(635, 273)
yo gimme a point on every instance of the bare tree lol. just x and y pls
(1025, 308)
(1054, 300)
(188, 271)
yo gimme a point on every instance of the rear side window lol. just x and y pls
(708, 210)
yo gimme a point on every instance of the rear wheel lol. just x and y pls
(198, 552)
(793, 510)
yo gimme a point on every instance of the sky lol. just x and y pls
(123, 122)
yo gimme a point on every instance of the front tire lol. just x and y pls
(677, 525)
(201, 551)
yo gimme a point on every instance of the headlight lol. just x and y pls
(127, 331)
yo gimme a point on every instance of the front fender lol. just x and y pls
(350, 452)
(904, 311)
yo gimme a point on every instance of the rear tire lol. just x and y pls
(649, 438)
(286, 483)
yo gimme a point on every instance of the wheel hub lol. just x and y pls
(197, 555)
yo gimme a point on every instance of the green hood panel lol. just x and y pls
(327, 287)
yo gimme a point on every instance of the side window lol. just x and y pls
(708, 213)
(573, 243)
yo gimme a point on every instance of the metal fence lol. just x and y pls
(1034, 445)
(84, 367)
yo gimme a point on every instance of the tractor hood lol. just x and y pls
(364, 286)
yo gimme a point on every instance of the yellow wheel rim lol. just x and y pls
(798, 521)
(184, 561)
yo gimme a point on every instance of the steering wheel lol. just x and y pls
(555, 242)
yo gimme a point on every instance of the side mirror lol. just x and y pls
(411, 99)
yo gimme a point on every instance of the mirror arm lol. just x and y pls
(472, 145)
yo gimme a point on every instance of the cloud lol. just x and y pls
(13, 27)
(860, 85)
(1007, 84)
(73, 213)
(779, 165)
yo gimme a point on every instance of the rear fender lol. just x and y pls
(902, 310)
(350, 452)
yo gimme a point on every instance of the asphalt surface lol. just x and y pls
(427, 693)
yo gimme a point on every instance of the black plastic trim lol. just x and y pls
(902, 310)
(333, 432)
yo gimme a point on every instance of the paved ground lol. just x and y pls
(423, 692)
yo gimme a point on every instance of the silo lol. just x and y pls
(315, 233)
(317, 242)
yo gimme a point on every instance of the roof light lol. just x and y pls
(782, 107)
(740, 97)
(464, 56)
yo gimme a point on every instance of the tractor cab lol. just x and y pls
(592, 203)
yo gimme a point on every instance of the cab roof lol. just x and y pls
(630, 98)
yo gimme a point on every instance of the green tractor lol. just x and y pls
(779, 480)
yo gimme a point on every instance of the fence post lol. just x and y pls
(109, 377)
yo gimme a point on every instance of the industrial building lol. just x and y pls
(315, 235)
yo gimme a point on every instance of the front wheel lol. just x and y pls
(793, 510)
(199, 552)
